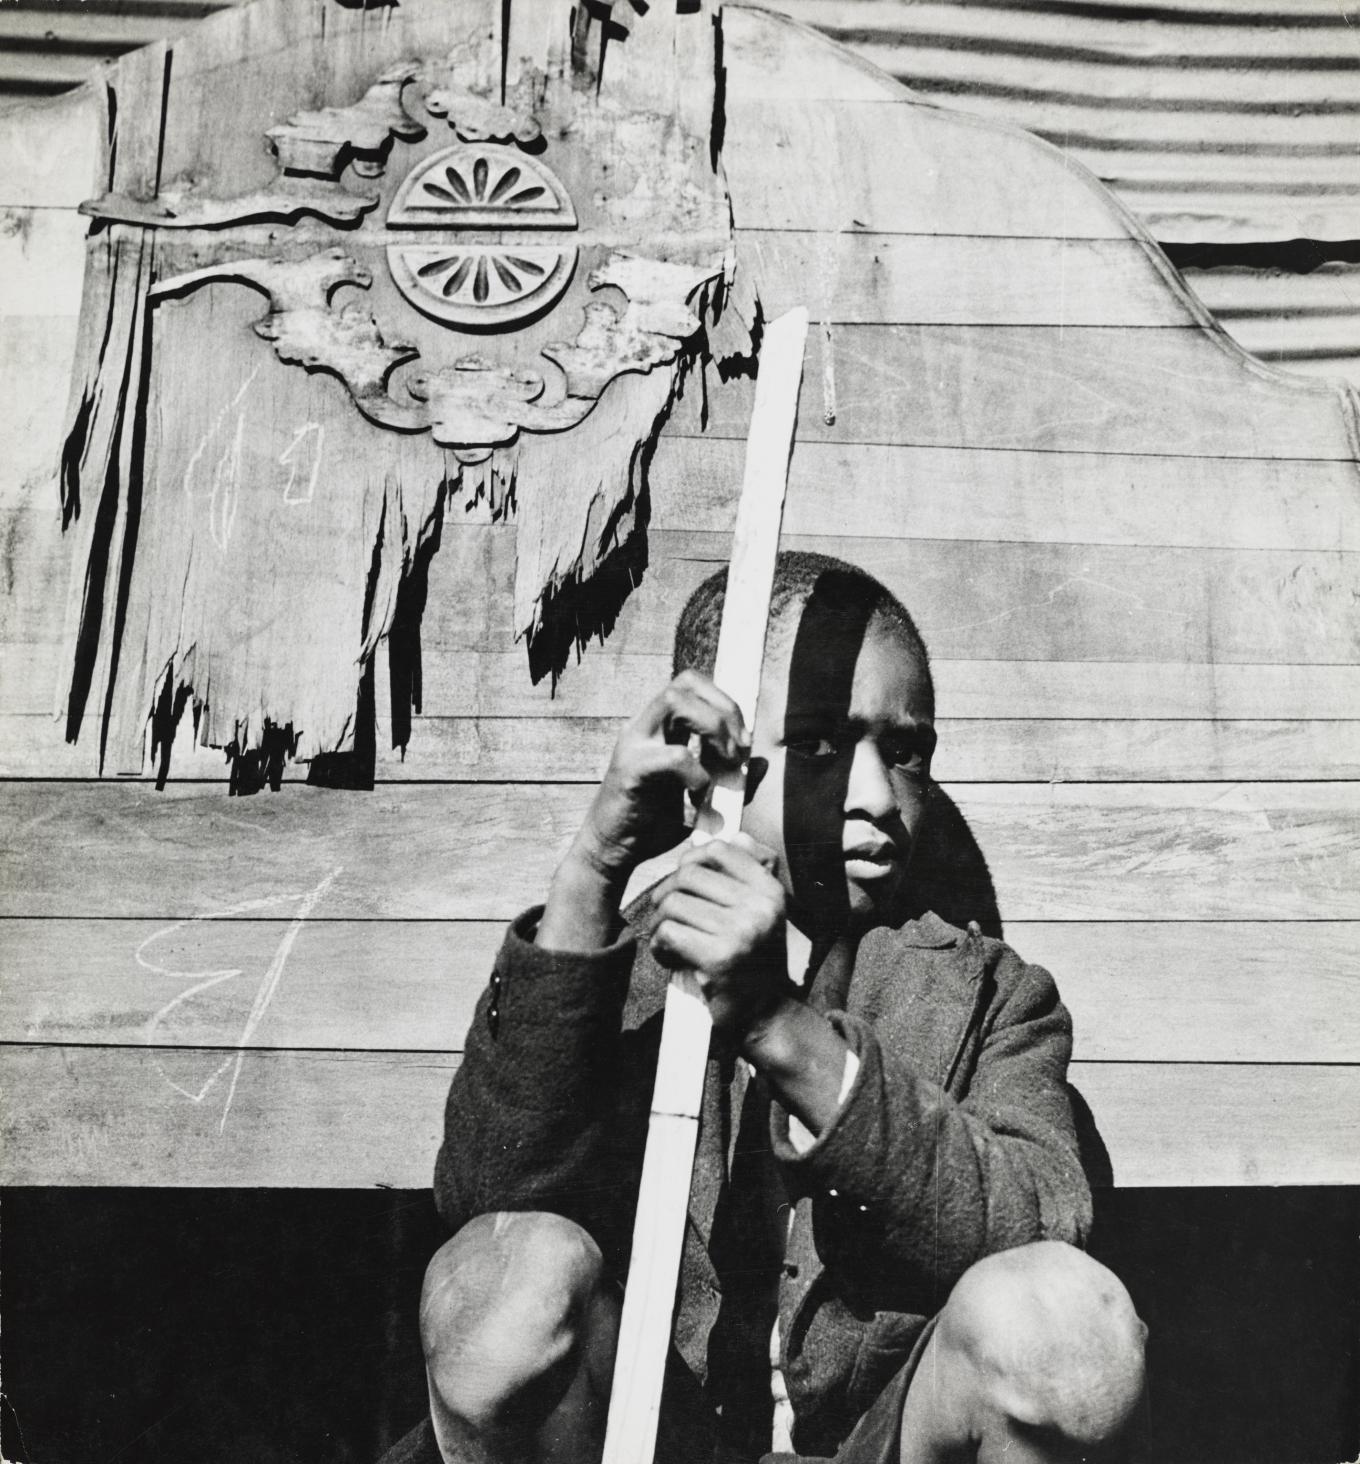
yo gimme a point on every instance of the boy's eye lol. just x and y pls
(817, 749)
(903, 754)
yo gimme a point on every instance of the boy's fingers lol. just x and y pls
(712, 693)
(761, 853)
(708, 882)
(695, 706)
(680, 762)
(680, 946)
(741, 857)
(691, 911)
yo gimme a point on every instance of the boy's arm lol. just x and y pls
(532, 1104)
(638, 809)
(536, 1112)
(911, 1186)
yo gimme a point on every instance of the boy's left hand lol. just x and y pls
(721, 915)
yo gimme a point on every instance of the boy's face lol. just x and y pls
(845, 790)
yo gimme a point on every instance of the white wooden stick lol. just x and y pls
(668, 1163)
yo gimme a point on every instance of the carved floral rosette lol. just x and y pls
(481, 250)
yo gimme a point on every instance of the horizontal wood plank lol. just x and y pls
(605, 683)
(139, 1116)
(482, 851)
(883, 491)
(1040, 601)
(1255, 570)
(891, 491)
(887, 492)
(973, 600)
(938, 279)
(1034, 601)
(823, 165)
(1224, 991)
(979, 599)
(133, 1116)
(576, 750)
(1188, 392)
(343, 985)
(1197, 1125)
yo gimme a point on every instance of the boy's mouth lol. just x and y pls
(870, 859)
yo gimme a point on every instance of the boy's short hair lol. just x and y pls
(795, 575)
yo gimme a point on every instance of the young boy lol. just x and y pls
(880, 1257)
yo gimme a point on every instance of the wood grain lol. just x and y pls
(576, 749)
(1126, 542)
(100, 1115)
(1048, 562)
(609, 684)
(482, 851)
(897, 492)
(131, 1116)
(1086, 389)
(974, 600)
(950, 173)
(891, 491)
(941, 279)
(1222, 991)
(980, 599)
(1052, 601)
(1204, 1124)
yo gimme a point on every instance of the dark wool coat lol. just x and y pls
(956, 1140)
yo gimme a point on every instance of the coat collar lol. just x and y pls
(930, 933)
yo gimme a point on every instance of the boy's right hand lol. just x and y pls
(638, 809)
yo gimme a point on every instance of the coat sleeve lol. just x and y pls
(911, 1185)
(530, 1112)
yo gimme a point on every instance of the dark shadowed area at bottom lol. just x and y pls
(211, 1326)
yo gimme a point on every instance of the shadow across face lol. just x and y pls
(819, 757)
(948, 872)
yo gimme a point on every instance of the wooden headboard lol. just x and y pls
(1131, 549)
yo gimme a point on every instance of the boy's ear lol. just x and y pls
(756, 768)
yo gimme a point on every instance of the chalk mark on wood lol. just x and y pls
(293, 456)
(201, 981)
(659, 233)
(226, 472)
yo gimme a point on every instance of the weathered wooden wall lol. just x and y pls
(1132, 550)
(1229, 129)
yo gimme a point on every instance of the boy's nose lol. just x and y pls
(870, 790)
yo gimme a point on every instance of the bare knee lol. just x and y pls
(503, 1311)
(1052, 1339)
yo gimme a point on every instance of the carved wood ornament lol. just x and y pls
(535, 212)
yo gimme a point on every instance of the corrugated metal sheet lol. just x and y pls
(1220, 122)
(1305, 322)
(47, 46)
